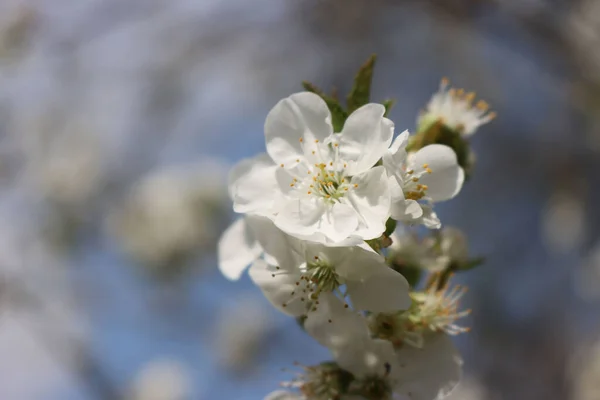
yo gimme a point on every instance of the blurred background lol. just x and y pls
(120, 118)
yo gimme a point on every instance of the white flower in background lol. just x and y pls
(294, 273)
(455, 109)
(162, 379)
(586, 372)
(434, 253)
(379, 370)
(316, 184)
(419, 179)
(408, 250)
(71, 169)
(172, 213)
(284, 395)
(237, 348)
(451, 247)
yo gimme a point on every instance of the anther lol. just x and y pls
(281, 165)
(356, 185)
(301, 140)
(428, 170)
(425, 165)
(316, 140)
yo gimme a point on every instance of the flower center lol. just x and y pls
(413, 190)
(326, 178)
(318, 277)
(322, 275)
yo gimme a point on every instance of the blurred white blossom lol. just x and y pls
(241, 332)
(162, 379)
(172, 214)
(455, 109)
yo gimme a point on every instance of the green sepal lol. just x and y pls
(361, 90)
(390, 226)
(338, 114)
(388, 104)
(471, 263)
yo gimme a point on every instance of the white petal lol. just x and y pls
(399, 143)
(406, 210)
(301, 116)
(428, 373)
(279, 248)
(300, 216)
(351, 263)
(446, 178)
(430, 218)
(372, 201)
(237, 249)
(366, 357)
(338, 222)
(345, 328)
(395, 157)
(365, 138)
(283, 395)
(252, 185)
(278, 286)
(385, 291)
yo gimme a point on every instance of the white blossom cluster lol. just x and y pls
(319, 208)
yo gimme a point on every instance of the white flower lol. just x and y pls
(294, 274)
(316, 184)
(418, 179)
(455, 109)
(427, 373)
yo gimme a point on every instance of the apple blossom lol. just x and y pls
(313, 183)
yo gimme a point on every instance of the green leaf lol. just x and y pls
(390, 226)
(388, 104)
(472, 263)
(338, 114)
(361, 91)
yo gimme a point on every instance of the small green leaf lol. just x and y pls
(472, 263)
(390, 226)
(338, 114)
(361, 91)
(388, 104)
